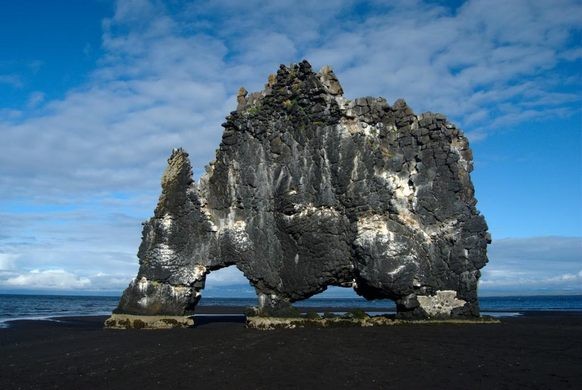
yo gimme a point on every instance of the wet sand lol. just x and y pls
(537, 350)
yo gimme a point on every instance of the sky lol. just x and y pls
(95, 94)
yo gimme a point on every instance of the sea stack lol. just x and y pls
(309, 190)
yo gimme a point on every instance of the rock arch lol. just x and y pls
(308, 190)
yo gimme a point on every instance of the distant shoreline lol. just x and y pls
(208, 313)
(34, 307)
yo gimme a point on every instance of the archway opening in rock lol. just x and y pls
(228, 283)
(339, 300)
(226, 294)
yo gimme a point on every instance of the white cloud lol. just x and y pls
(35, 99)
(567, 278)
(442, 61)
(7, 261)
(520, 279)
(12, 80)
(168, 80)
(97, 238)
(224, 277)
(534, 264)
(110, 282)
(155, 89)
(48, 279)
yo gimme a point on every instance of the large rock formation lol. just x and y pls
(310, 190)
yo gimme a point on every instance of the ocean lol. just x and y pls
(14, 307)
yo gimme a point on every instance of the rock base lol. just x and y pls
(271, 323)
(127, 321)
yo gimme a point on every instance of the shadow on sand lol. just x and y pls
(221, 320)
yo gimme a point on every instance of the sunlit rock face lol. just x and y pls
(310, 189)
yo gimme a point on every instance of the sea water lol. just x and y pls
(31, 307)
(15, 307)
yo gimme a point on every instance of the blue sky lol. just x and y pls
(95, 94)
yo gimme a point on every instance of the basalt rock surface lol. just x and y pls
(310, 190)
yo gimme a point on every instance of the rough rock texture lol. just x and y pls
(272, 323)
(309, 190)
(128, 321)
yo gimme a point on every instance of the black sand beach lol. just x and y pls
(537, 350)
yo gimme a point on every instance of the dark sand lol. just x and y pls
(537, 350)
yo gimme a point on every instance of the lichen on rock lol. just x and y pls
(309, 190)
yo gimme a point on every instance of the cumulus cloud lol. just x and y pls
(155, 90)
(168, 79)
(95, 239)
(35, 99)
(224, 277)
(48, 279)
(63, 280)
(11, 80)
(567, 278)
(7, 261)
(109, 282)
(428, 54)
(534, 265)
